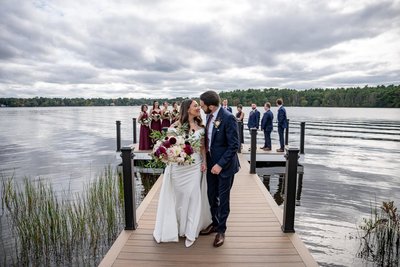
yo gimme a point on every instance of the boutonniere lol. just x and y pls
(217, 123)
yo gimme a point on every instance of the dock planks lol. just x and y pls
(253, 237)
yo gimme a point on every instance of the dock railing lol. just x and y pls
(292, 155)
(118, 125)
(129, 188)
(134, 130)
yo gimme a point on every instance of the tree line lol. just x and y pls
(379, 96)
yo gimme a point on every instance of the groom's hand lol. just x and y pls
(216, 169)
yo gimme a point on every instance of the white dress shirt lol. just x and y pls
(211, 126)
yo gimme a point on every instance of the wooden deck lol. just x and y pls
(253, 237)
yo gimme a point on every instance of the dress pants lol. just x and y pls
(267, 137)
(219, 188)
(281, 130)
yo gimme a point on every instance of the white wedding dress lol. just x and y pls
(183, 207)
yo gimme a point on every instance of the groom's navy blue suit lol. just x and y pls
(224, 145)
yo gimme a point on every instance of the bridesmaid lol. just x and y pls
(155, 114)
(239, 117)
(240, 113)
(166, 115)
(144, 138)
(175, 112)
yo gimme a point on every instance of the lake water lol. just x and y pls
(352, 160)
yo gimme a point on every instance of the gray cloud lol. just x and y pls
(125, 49)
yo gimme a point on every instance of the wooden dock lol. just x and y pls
(253, 238)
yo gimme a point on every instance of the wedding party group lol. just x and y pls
(201, 161)
(267, 123)
(155, 120)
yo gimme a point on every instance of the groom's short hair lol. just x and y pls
(210, 98)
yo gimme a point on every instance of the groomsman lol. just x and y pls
(266, 125)
(225, 105)
(282, 124)
(254, 117)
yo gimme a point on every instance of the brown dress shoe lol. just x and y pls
(210, 229)
(267, 149)
(219, 240)
(279, 150)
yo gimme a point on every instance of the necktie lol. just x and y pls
(206, 141)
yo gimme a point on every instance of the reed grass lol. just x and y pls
(380, 242)
(74, 229)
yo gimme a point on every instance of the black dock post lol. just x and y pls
(302, 134)
(134, 130)
(129, 189)
(287, 134)
(292, 155)
(253, 148)
(118, 135)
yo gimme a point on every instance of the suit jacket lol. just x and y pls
(228, 108)
(266, 121)
(224, 144)
(282, 120)
(254, 119)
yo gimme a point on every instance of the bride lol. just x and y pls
(183, 208)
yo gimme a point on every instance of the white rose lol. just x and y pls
(178, 150)
(180, 140)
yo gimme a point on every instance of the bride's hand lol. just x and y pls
(203, 167)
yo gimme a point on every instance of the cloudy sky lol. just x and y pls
(154, 48)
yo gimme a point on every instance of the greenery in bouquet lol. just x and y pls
(176, 146)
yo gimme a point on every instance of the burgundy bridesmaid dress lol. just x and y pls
(174, 115)
(144, 138)
(166, 123)
(156, 125)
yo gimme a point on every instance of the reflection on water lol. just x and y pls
(352, 160)
(146, 181)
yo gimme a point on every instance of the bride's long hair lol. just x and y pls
(184, 113)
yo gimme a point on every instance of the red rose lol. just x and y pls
(166, 144)
(160, 151)
(188, 149)
(172, 140)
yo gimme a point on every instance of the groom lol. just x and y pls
(221, 143)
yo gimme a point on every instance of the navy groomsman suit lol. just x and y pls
(267, 126)
(254, 119)
(282, 125)
(228, 108)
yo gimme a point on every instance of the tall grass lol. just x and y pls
(381, 239)
(72, 229)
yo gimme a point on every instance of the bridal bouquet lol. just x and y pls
(175, 114)
(145, 122)
(155, 116)
(176, 147)
(166, 114)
